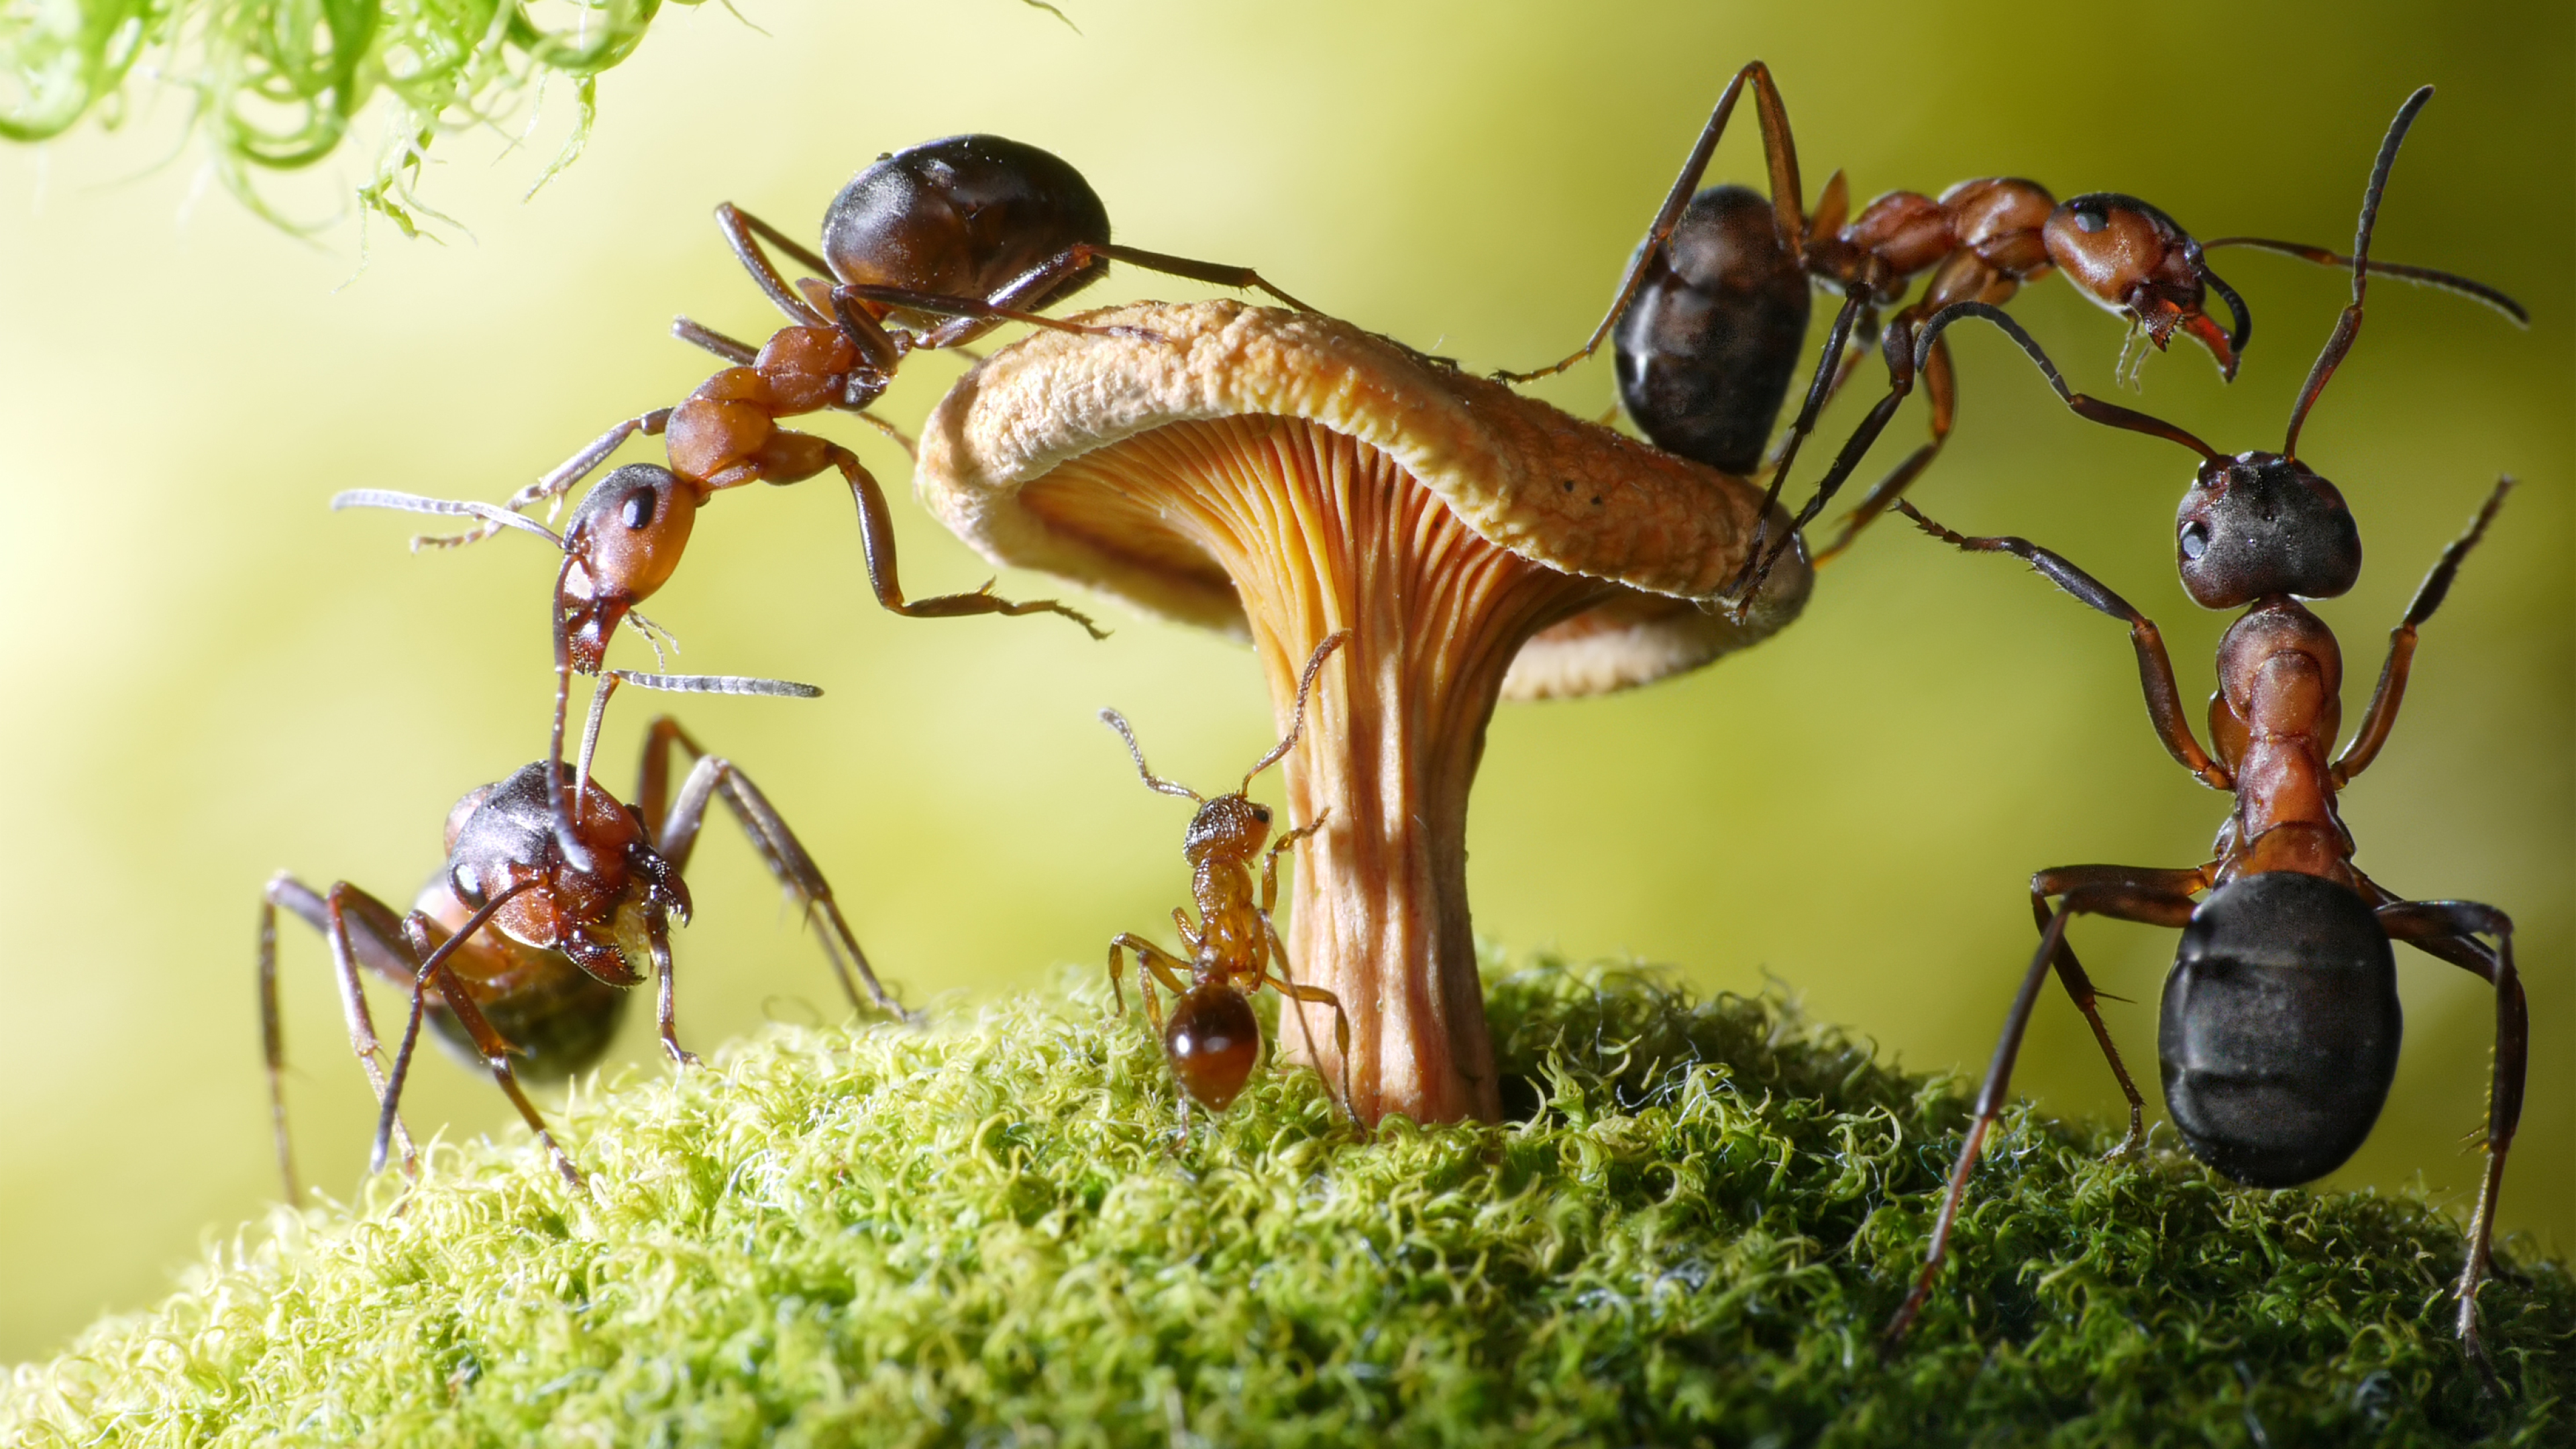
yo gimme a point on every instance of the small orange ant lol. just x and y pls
(1212, 1038)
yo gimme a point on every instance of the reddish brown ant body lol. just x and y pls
(928, 248)
(521, 948)
(1712, 312)
(2280, 1024)
(1212, 1040)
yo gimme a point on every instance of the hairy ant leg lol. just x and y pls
(2381, 716)
(1149, 958)
(676, 831)
(1779, 150)
(2155, 665)
(745, 232)
(2139, 896)
(876, 545)
(2418, 922)
(496, 1050)
(2079, 985)
(361, 930)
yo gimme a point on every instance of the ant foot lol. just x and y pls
(2133, 1146)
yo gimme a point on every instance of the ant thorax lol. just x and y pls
(2274, 722)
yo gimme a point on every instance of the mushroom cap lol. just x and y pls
(1523, 475)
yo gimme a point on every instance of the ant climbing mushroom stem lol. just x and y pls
(1283, 477)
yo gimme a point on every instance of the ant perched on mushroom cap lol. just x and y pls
(1212, 1040)
(1712, 312)
(521, 947)
(928, 248)
(2279, 1030)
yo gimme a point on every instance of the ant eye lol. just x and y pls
(2091, 219)
(1261, 813)
(639, 508)
(2195, 539)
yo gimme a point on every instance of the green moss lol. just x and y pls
(987, 1233)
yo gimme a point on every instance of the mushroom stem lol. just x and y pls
(1393, 734)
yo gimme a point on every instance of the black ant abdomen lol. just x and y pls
(966, 216)
(2280, 1025)
(1706, 352)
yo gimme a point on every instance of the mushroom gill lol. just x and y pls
(1283, 476)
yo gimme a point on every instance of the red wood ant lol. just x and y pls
(930, 247)
(1712, 312)
(1212, 1039)
(2279, 1029)
(516, 950)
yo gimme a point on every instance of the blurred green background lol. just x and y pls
(209, 676)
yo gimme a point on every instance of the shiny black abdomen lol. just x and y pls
(963, 217)
(1707, 350)
(2280, 1028)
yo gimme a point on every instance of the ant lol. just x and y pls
(1212, 1039)
(931, 247)
(1712, 312)
(2279, 1028)
(515, 949)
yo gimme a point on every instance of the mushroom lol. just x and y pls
(1280, 476)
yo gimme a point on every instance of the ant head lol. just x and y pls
(1228, 825)
(2279, 1028)
(2259, 524)
(624, 540)
(506, 837)
(1213, 1041)
(2135, 260)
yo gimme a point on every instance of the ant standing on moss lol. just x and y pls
(1212, 1039)
(523, 948)
(2280, 1025)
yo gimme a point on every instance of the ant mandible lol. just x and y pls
(516, 950)
(1712, 312)
(2279, 1029)
(1212, 1039)
(930, 247)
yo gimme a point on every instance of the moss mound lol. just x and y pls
(989, 1233)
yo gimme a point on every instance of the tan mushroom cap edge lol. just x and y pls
(1573, 495)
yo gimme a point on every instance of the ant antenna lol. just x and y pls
(450, 507)
(2348, 326)
(1118, 722)
(2094, 409)
(609, 679)
(1296, 717)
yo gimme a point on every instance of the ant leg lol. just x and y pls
(2079, 985)
(496, 1049)
(876, 541)
(2420, 922)
(373, 934)
(1941, 389)
(698, 334)
(666, 1003)
(1279, 847)
(2155, 666)
(677, 830)
(1215, 273)
(378, 928)
(2381, 717)
(1787, 203)
(1151, 961)
(969, 314)
(558, 481)
(1317, 995)
(2132, 899)
(745, 232)
(1189, 934)
(1828, 380)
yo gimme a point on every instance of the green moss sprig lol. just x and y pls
(991, 1233)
